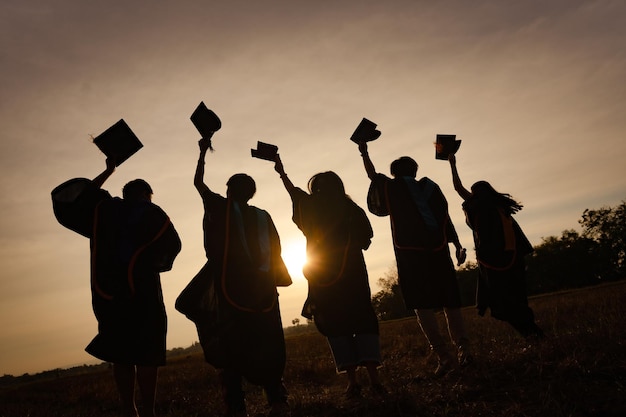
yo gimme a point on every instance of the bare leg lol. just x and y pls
(353, 390)
(430, 328)
(125, 381)
(456, 329)
(428, 323)
(351, 373)
(372, 371)
(376, 387)
(147, 380)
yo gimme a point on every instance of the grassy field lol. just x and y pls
(578, 370)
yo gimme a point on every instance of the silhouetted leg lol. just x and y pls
(428, 323)
(353, 390)
(351, 373)
(376, 386)
(372, 372)
(456, 330)
(524, 322)
(233, 395)
(345, 355)
(125, 381)
(147, 380)
(430, 328)
(277, 396)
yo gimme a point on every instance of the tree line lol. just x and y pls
(573, 260)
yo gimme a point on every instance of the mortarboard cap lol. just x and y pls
(264, 151)
(118, 142)
(365, 132)
(205, 120)
(446, 145)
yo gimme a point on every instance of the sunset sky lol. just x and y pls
(536, 91)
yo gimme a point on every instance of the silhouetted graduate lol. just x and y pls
(233, 300)
(132, 240)
(500, 250)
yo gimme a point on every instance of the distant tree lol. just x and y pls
(607, 227)
(566, 262)
(388, 302)
(295, 321)
(569, 261)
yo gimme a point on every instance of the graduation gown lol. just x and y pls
(339, 297)
(237, 314)
(421, 230)
(131, 243)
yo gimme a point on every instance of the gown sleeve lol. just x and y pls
(74, 203)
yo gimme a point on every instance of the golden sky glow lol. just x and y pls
(534, 89)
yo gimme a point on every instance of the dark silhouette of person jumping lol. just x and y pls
(500, 247)
(339, 297)
(421, 231)
(242, 336)
(132, 240)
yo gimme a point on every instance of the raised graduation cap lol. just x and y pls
(205, 120)
(446, 145)
(264, 151)
(365, 132)
(118, 142)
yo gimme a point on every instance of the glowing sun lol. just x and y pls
(294, 255)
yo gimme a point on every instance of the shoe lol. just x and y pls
(353, 391)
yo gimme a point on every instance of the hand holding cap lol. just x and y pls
(446, 145)
(365, 132)
(118, 142)
(264, 151)
(206, 121)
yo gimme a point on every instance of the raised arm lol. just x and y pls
(198, 180)
(367, 162)
(278, 167)
(456, 180)
(100, 179)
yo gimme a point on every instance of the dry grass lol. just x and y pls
(579, 370)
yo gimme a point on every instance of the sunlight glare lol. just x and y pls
(294, 255)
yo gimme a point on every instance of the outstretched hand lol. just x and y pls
(278, 165)
(104, 175)
(204, 144)
(110, 164)
(363, 147)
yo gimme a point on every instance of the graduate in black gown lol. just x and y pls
(422, 231)
(239, 324)
(132, 240)
(500, 247)
(339, 297)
